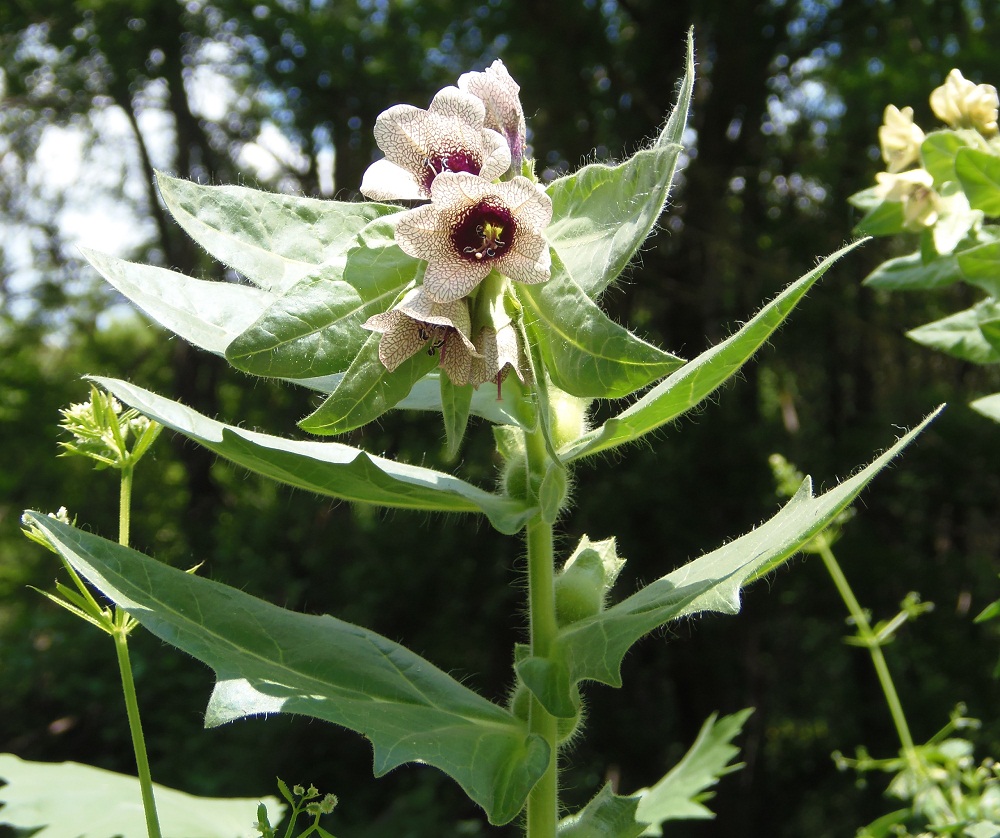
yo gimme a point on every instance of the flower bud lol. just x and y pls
(580, 588)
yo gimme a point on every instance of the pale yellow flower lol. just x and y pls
(963, 104)
(899, 138)
(501, 96)
(914, 189)
(472, 226)
(419, 145)
(419, 322)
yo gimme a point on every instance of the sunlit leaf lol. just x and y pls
(979, 173)
(273, 240)
(912, 273)
(205, 313)
(694, 381)
(367, 390)
(959, 334)
(602, 214)
(989, 406)
(678, 796)
(271, 660)
(327, 468)
(314, 328)
(70, 800)
(584, 352)
(593, 648)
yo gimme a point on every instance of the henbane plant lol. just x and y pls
(482, 302)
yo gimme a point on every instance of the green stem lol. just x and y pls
(135, 727)
(543, 801)
(123, 625)
(874, 647)
(125, 505)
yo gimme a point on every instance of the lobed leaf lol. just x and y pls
(205, 313)
(70, 800)
(327, 468)
(268, 660)
(593, 648)
(677, 796)
(602, 214)
(273, 240)
(584, 352)
(694, 381)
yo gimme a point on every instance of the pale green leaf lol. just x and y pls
(327, 468)
(881, 218)
(269, 660)
(694, 381)
(980, 266)
(367, 390)
(959, 334)
(678, 796)
(70, 800)
(205, 313)
(273, 240)
(937, 153)
(314, 328)
(988, 406)
(979, 173)
(593, 648)
(602, 214)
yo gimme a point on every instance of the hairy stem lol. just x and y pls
(543, 801)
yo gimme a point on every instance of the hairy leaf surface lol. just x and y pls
(205, 313)
(327, 468)
(273, 240)
(602, 214)
(593, 648)
(694, 381)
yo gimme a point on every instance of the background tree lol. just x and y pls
(283, 94)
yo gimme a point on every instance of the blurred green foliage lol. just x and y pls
(784, 129)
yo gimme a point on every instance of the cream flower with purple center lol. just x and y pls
(472, 226)
(501, 95)
(419, 145)
(419, 322)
